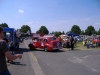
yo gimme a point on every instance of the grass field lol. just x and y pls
(80, 46)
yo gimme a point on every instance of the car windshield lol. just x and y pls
(52, 38)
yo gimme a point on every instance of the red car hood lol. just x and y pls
(54, 43)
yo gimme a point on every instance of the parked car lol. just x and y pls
(96, 41)
(48, 43)
(79, 39)
(64, 43)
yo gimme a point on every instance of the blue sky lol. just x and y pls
(56, 15)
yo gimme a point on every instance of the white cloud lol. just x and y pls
(21, 11)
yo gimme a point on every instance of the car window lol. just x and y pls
(45, 40)
(40, 39)
(53, 38)
(35, 39)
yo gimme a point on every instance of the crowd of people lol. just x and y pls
(69, 42)
(89, 42)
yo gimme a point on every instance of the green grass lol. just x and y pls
(80, 45)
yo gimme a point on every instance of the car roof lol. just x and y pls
(46, 37)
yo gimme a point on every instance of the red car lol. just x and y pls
(48, 43)
(96, 40)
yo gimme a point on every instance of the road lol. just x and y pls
(63, 62)
(22, 66)
(69, 62)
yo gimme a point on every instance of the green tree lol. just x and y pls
(4, 25)
(38, 32)
(43, 30)
(76, 29)
(98, 32)
(57, 33)
(25, 28)
(82, 32)
(90, 30)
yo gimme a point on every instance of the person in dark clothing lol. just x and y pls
(6, 40)
(72, 42)
(9, 47)
(17, 43)
(67, 42)
(4, 53)
(12, 48)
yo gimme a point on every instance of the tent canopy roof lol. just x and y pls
(71, 33)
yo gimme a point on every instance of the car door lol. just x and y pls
(38, 43)
(42, 43)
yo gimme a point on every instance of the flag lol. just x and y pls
(18, 33)
(28, 32)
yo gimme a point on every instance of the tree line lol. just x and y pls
(23, 29)
(43, 29)
(89, 30)
(75, 29)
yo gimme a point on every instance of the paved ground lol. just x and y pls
(23, 66)
(69, 62)
(57, 63)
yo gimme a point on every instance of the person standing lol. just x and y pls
(17, 43)
(12, 48)
(60, 40)
(4, 53)
(72, 42)
(67, 42)
(75, 41)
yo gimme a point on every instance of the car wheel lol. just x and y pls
(30, 48)
(46, 49)
(57, 50)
